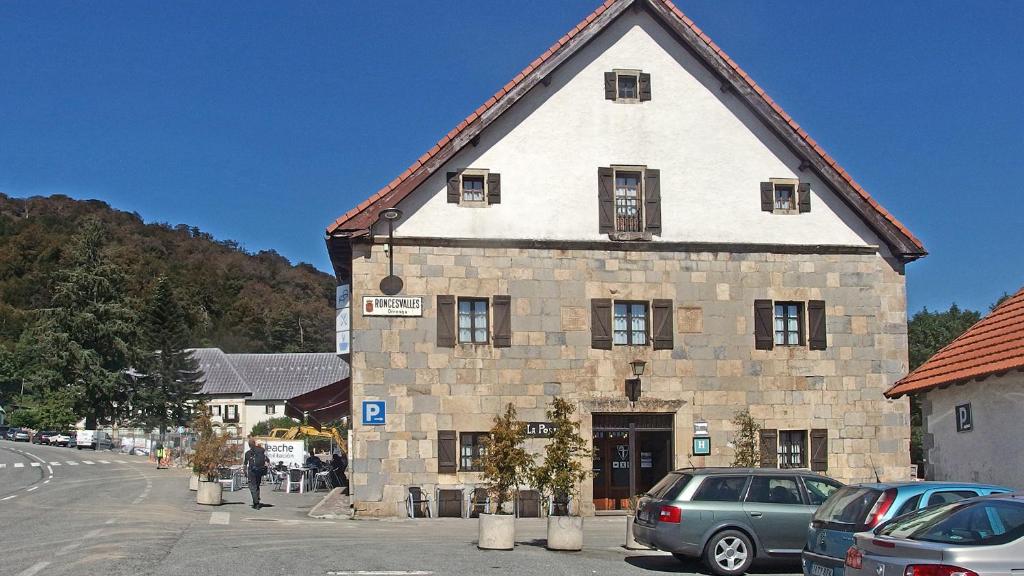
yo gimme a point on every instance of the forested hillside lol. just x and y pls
(233, 300)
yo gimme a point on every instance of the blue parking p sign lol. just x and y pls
(374, 412)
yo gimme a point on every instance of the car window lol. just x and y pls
(669, 487)
(977, 523)
(849, 505)
(909, 506)
(774, 490)
(819, 490)
(946, 496)
(721, 489)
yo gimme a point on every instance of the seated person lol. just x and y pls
(339, 463)
(313, 462)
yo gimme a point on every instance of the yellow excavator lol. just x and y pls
(307, 432)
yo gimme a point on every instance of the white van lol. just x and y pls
(95, 439)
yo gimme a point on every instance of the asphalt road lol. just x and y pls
(85, 512)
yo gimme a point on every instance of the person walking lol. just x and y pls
(159, 454)
(255, 467)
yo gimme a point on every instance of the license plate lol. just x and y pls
(819, 570)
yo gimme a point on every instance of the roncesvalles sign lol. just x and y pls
(392, 306)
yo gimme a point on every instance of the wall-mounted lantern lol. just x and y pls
(633, 384)
(391, 284)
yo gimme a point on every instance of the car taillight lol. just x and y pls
(670, 514)
(881, 506)
(854, 557)
(936, 570)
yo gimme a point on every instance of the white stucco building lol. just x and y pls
(972, 399)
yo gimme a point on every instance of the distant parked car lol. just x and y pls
(862, 507)
(43, 437)
(730, 516)
(9, 435)
(95, 439)
(72, 438)
(59, 439)
(975, 537)
(21, 435)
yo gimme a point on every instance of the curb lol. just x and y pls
(315, 513)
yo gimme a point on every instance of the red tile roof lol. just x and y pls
(361, 217)
(995, 344)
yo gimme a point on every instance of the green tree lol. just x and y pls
(505, 462)
(746, 453)
(561, 472)
(170, 375)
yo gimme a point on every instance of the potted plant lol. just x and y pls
(559, 476)
(504, 463)
(211, 452)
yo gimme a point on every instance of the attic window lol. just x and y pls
(627, 86)
(785, 196)
(474, 188)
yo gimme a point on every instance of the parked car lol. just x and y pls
(9, 435)
(976, 537)
(60, 439)
(21, 435)
(731, 516)
(95, 439)
(43, 437)
(861, 507)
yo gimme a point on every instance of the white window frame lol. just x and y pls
(805, 438)
(627, 72)
(640, 197)
(792, 183)
(271, 409)
(478, 173)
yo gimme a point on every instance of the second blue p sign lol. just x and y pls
(374, 412)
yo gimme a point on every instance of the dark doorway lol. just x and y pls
(631, 453)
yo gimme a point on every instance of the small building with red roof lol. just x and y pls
(972, 400)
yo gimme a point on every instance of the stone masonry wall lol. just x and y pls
(712, 372)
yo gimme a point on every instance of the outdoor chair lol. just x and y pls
(228, 477)
(449, 502)
(417, 504)
(277, 478)
(322, 478)
(479, 502)
(528, 504)
(294, 479)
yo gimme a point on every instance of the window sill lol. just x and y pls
(790, 212)
(473, 204)
(630, 236)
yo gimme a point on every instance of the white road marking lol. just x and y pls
(19, 465)
(3, 465)
(111, 521)
(220, 518)
(9, 497)
(68, 548)
(104, 462)
(119, 461)
(87, 462)
(46, 481)
(35, 464)
(380, 573)
(92, 533)
(50, 470)
(32, 488)
(34, 569)
(54, 463)
(72, 463)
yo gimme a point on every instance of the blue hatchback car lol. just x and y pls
(861, 507)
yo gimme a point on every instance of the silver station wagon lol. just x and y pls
(731, 516)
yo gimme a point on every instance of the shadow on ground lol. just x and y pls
(670, 565)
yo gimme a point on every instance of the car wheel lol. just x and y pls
(729, 553)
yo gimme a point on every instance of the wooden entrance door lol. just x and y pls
(612, 467)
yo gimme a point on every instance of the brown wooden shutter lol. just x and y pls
(493, 188)
(447, 452)
(609, 86)
(769, 448)
(816, 334)
(767, 197)
(804, 197)
(445, 321)
(454, 187)
(661, 319)
(501, 307)
(764, 318)
(601, 323)
(645, 87)
(652, 200)
(606, 200)
(819, 449)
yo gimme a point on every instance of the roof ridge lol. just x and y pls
(477, 114)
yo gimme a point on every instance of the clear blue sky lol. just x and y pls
(262, 121)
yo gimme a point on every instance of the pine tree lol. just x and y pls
(170, 374)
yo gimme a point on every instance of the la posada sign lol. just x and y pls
(392, 306)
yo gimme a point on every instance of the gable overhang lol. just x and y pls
(900, 241)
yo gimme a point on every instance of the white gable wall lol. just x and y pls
(711, 151)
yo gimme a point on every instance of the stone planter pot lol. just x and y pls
(193, 483)
(497, 532)
(210, 494)
(631, 543)
(565, 533)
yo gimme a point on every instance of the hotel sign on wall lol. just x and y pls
(392, 306)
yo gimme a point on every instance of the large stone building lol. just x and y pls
(631, 195)
(972, 398)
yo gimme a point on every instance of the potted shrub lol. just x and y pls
(504, 463)
(211, 452)
(559, 477)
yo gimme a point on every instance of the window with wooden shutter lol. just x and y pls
(661, 316)
(601, 323)
(767, 197)
(454, 187)
(447, 452)
(769, 443)
(493, 188)
(816, 333)
(446, 321)
(819, 449)
(652, 200)
(645, 87)
(501, 309)
(804, 197)
(610, 87)
(606, 200)
(763, 321)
